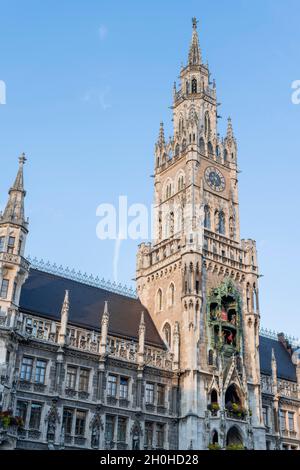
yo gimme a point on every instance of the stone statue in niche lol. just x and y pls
(95, 435)
(136, 432)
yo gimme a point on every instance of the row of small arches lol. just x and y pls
(207, 150)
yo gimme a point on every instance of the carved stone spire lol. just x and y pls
(64, 320)
(176, 345)
(274, 372)
(194, 52)
(142, 334)
(14, 210)
(104, 330)
(161, 138)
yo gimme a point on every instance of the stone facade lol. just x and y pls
(65, 385)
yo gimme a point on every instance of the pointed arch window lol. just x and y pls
(171, 295)
(180, 183)
(248, 297)
(207, 223)
(159, 300)
(210, 357)
(194, 85)
(218, 154)
(168, 191)
(221, 223)
(167, 334)
(216, 221)
(183, 145)
(231, 227)
(210, 149)
(225, 155)
(177, 150)
(207, 124)
(254, 298)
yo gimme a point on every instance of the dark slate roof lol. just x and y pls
(43, 295)
(285, 367)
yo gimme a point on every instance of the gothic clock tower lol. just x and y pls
(197, 278)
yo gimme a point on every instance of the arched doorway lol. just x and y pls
(234, 437)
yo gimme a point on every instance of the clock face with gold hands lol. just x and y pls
(214, 179)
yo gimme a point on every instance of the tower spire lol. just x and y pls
(14, 210)
(194, 52)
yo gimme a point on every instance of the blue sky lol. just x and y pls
(88, 83)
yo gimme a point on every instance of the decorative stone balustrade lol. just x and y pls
(88, 341)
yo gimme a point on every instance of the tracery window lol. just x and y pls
(194, 85)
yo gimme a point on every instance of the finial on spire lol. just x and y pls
(22, 158)
(194, 21)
